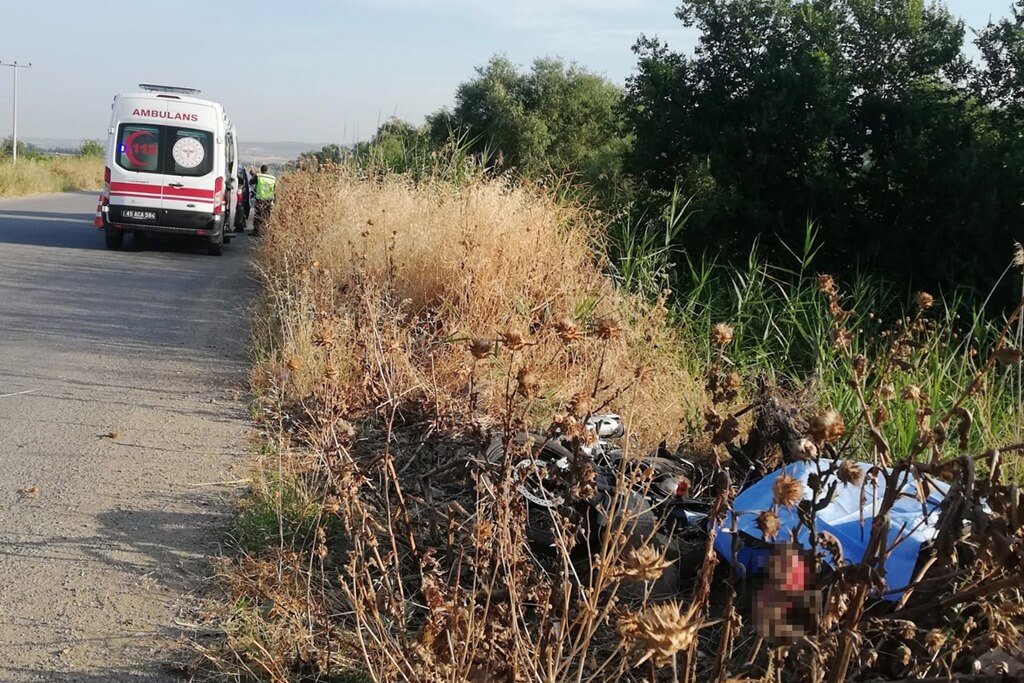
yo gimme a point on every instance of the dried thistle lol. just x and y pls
(324, 337)
(860, 365)
(841, 339)
(924, 300)
(887, 392)
(827, 286)
(850, 473)
(911, 392)
(579, 405)
(830, 544)
(660, 631)
(721, 334)
(828, 426)
(294, 363)
(607, 328)
(528, 383)
(787, 491)
(513, 339)
(907, 629)
(801, 449)
(645, 563)
(935, 639)
(768, 524)
(480, 347)
(567, 329)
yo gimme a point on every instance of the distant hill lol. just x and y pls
(248, 152)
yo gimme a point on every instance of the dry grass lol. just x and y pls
(51, 174)
(405, 324)
(485, 262)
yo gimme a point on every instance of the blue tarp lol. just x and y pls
(843, 518)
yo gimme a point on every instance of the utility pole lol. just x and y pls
(14, 126)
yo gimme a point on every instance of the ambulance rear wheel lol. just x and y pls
(114, 238)
(215, 248)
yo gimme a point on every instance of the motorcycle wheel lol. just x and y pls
(540, 481)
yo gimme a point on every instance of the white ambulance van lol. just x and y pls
(171, 167)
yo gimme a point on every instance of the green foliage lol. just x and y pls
(277, 510)
(1000, 81)
(397, 145)
(555, 118)
(25, 151)
(328, 154)
(861, 115)
(91, 148)
(783, 329)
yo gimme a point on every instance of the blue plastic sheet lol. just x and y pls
(844, 519)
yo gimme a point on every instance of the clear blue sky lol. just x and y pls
(309, 70)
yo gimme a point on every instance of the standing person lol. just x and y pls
(265, 184)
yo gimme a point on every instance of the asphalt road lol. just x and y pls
(121, 401)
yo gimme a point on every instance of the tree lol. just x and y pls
(7, 145)
(555, 118)
(91, 148)
(859, 114)
(1000, 80)
(328, 154)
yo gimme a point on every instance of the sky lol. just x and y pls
(310, 70)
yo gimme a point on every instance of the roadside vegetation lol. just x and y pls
(443, 286)
(404, 323)
(37, 172)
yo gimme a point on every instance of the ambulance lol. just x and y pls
(171, 167)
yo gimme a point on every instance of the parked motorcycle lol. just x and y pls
(660, 493)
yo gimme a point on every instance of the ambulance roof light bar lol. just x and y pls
(149, 87)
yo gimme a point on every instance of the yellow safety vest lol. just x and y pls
(265, 186)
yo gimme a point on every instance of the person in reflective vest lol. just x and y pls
(264, 195)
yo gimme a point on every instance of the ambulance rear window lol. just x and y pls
(191, 152)
(139, 148)
(170, 150)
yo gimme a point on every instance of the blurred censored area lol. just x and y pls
(786, 606)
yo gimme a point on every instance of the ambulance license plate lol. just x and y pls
(134, 215)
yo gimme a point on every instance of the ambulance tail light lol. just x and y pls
(218, 196)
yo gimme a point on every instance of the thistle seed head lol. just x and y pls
(660, 631)
(850, 473)
(787, 491)
(645, 563)
(721, 334)
(480, 348)
(828, 426)
(768, 524)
